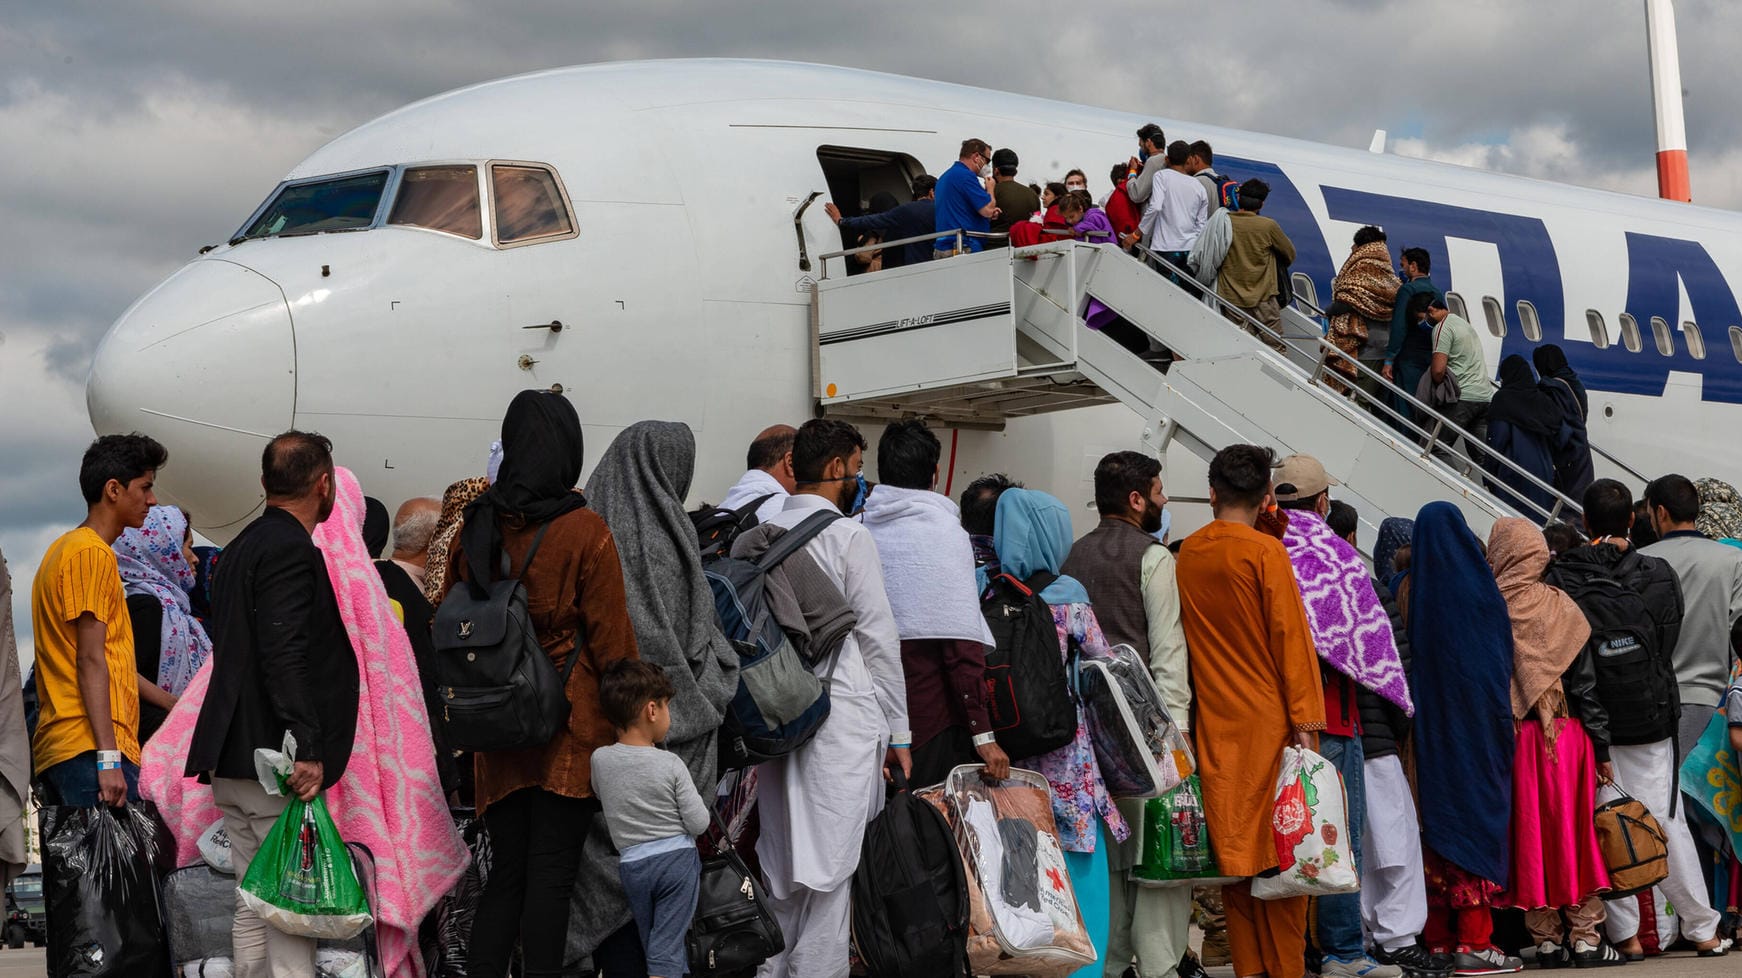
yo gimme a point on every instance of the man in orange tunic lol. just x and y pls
(1256, 684)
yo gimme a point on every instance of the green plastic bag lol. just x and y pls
(1176, 839)
(302, 881)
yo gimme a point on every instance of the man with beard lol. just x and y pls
(281, 662)
(1130, 579)
(815, 802)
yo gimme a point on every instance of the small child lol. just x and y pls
(653, 811)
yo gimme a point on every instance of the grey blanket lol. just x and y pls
(639, 489)
(804, 599)
(14, 743)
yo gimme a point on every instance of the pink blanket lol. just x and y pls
(389, 799)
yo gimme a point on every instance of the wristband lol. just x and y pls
(108, 765)
(981, 740)
(901, 738)
(109, 757)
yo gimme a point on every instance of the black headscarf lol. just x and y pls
(1551, 363)
(376, 527)
(1521, 403)
(541, 447)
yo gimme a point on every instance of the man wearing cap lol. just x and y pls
(1351, 631)
(1017, 202)
(1130, 579)
(911, 220)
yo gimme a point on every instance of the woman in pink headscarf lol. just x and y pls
(390, 798)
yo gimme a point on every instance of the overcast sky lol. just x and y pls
(135, 133)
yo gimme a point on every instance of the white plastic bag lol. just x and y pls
(1311, 825)
(215, 848)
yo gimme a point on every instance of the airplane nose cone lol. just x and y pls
(206, 364)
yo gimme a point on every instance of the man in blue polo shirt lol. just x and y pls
(964, 200)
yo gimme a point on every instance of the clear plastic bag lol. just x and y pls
(1023, 915)
(1140, 749)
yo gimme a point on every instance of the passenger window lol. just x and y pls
(1696, 342)
(528, 204)
(1662, 336)
(1528, 322)
(441, 198)
(1305, 290)
(1496, 317)
(337, 204)
(1599, 332)
(1455, 303)
(1630, 334)
(1736, 342)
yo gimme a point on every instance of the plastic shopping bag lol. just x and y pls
(1176, 839)
(302, 881)
(1139, 748)
(101, 868)
(1311, 826)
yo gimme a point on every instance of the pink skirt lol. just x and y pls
(1555, 858)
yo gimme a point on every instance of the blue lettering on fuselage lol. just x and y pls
(1530, 271)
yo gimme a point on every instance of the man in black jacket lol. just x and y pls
(1634, 603)
(911, 219)
(281, 662)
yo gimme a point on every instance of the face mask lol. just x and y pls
(986, 171)
(1143, 156)
(1075, 186)
(861, 490)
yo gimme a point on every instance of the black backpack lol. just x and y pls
(716, 526)
(1029, 695)
(733, 930)
(910, 899)
(1635, 678)
(497, 686)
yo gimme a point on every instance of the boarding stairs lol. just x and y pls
(976, 340)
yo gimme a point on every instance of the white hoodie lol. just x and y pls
(928, 564)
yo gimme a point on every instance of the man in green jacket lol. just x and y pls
(1247, 279)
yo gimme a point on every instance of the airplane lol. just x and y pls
(640, 236)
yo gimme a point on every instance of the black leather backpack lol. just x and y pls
(497, 686)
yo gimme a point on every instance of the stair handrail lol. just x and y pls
(1309, 307)
(1441, 424)
(962, 234)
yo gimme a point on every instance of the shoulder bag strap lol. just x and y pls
(531, 552)
(792, 540)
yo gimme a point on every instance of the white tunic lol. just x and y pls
(815, 802)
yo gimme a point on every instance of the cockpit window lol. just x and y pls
(528, 204)
(341, 204)
(441, 198)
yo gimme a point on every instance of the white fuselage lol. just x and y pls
(682, 297)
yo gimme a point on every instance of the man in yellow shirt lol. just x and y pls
(87, 738)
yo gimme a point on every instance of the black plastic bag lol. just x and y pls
(101, 869)
(447, 932)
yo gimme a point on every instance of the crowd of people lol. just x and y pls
(1206, 232)
(1475, 696)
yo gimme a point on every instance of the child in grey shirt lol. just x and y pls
(653, 811)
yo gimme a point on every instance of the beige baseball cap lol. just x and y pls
(1300, 477)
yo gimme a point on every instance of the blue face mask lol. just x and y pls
(1142, 156)
(859, 497)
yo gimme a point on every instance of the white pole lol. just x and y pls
(1666, 99)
